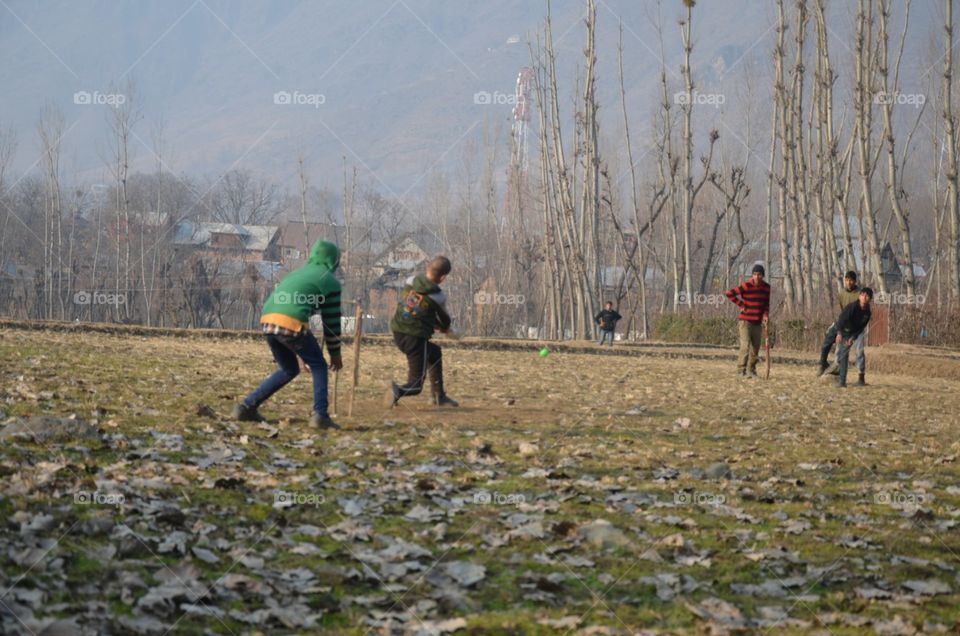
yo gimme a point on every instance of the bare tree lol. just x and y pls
(890, 85)
(570, 190)
(950, 134)
(50, 129)
(634, 248)
(831, 168)
(864, 91)
(122, 118)
(8, 148)
(302, 174)
(735, 192)
(241, 198)
(690, 190)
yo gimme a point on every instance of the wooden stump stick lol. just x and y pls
(357, 333)
(336, 389)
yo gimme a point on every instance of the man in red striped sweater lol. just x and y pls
(753, 298)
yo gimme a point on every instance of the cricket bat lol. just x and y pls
(766, 346)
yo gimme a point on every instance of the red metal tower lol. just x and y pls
(519, 157)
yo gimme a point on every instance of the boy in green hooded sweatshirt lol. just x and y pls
(420, 311)
(286, 324)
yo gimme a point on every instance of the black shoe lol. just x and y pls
(243, 413)
(841, 384)
(752, 373)
(861, 381)
(445, 400)
(823, 369)
(323, 422)
(393, 395)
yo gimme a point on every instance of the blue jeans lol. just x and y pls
(831, 337)
(285, 351)
(843, 360)
(604, 334)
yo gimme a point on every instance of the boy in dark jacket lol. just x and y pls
(850, 293)
(851, 323)
(607, 319)
(421, 311)
(285, 322)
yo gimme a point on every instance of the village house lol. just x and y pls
(224, 241)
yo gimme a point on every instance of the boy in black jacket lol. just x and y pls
(421, 311)
(607, 319)
(851, 323)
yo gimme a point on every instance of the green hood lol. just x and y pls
(311, 288)
(325, 254)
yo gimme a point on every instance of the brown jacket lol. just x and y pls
(846, 297)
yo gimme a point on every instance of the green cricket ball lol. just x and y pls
(544, 352)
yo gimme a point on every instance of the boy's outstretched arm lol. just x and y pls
(443, 319)
(440, 307)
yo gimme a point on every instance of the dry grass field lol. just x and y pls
(646, 490)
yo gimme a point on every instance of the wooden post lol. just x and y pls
(336, 389)
(357, 333)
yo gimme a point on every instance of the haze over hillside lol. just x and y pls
(396, 78)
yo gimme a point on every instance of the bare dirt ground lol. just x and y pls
(645, 490)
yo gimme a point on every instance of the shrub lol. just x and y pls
(685, 328)
(794, 333)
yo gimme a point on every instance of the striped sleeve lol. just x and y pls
(734, 295)
(330, 314)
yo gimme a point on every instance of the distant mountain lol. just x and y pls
(389, 84)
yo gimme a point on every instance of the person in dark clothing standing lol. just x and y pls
(421, 311)
(850, 324)
(607, 319)
(850, 293)
(753, 298)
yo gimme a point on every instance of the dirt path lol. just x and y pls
(913, 360)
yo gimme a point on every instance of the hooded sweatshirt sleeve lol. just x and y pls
(327, 256)
(330, 314)
(439, 299)
(443, 318)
